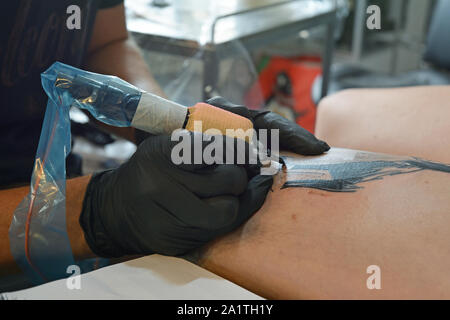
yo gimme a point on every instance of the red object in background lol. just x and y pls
(301, 71)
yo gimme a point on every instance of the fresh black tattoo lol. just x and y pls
(336, 174)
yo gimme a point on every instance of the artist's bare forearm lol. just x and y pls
(10, 199)
(123, 59)
(112, 52)
(75, 192)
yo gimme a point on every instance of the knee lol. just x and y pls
(333, 113)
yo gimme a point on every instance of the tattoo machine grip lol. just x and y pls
(157, 115)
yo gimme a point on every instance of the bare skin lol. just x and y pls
(306, 243)
(322, 242)
(10, 199)
(111, 51)
(402, 121)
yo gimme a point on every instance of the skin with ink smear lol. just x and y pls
(345, 170)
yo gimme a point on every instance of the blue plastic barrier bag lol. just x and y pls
(38, 234)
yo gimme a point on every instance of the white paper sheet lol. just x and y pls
(151, 277)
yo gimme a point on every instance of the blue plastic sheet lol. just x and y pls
(38, 234)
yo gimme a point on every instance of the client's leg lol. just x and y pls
(404, 121)
(331, 217)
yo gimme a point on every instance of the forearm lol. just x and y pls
(10, 199)
(123, 59)
(76, 189)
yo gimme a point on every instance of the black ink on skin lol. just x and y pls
(346, 176)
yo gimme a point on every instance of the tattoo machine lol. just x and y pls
(38, 235)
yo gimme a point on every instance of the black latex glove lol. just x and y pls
(292, 136)
(150, 205)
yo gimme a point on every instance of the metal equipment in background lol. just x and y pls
(436, 61)
(201, 28)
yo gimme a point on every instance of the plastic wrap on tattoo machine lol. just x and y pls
(38, 235)
(108, 98)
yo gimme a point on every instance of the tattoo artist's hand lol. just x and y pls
(292, 136)
(150, 205)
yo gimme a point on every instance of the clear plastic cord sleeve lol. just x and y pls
(38, 234)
